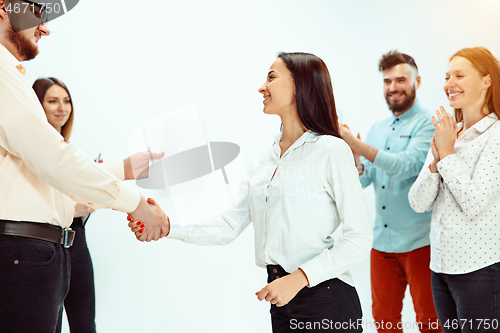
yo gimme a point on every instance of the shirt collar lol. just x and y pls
(7, 56)
(308, 136)
(482, 125)
(409, 113)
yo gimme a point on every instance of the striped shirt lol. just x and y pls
(314, 190)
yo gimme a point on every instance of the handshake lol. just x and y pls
(148, 221)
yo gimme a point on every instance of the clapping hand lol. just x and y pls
(151, 221)
(346, 134)
(445, 136)
(435, 153)
(139, 228)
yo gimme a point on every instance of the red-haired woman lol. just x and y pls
(460, 183)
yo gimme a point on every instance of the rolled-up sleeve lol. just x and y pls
(408, 163)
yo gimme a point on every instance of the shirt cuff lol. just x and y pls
(449, 168)
(115, 168)
(176, 231)
(433, 177)
(314, 271)
(128, 199)
(382, 160)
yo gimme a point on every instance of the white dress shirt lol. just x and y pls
(465, 198)
(38, 170)
(314, 190)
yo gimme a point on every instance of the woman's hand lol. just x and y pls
(283, 290)
(435, 153)
(82, 210)
(445, 133)
(137, 227)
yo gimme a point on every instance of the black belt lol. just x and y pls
(43, 231)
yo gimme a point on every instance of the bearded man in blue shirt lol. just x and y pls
(391, 160)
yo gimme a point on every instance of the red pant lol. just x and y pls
(390, 273)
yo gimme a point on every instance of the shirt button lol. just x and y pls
(388, 148)
(383, 187)
(275, 270)
(397, 119)
(393, 129)
(277, 277)
(16, 262)
(385, 225)
(383, 207)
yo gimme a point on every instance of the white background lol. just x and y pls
(126, 62)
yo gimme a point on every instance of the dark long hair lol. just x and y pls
(313, 92)
(41, 86)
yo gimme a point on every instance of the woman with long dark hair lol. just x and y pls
(299, 192)
(460, 183)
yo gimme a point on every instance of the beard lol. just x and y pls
(25, 48)
(405, 103)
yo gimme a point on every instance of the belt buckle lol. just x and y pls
(66, 238)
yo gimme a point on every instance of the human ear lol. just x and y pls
(487, 81)
(418, 81)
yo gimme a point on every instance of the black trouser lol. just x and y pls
(468, 302)
(34, 280)
(80, 301)
(331, 306)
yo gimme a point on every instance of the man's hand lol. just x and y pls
(137, 165)
(154, 225)
(82, 210)
(358, 147)
(345, 132)
(137, 226)
(283, 290)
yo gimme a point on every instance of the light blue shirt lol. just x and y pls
(402, 143)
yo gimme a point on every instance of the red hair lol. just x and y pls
(485, 62)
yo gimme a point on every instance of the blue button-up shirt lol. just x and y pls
(402, 143)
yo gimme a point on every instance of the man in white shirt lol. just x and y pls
(39, 173)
